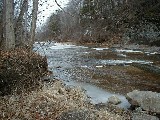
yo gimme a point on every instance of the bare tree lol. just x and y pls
(112, 21)
(1, 10)
(19, 28)
(8, 27)
(25, 23)
(33, 22)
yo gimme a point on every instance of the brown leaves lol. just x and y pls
(20, 69)
(43, 105)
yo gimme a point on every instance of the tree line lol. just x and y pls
(17, 23)
(117, 21)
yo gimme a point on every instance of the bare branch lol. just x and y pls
(63, 9)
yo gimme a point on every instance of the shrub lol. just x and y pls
(20, 70)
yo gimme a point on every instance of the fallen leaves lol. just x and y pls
(43, 104)
(20, 69)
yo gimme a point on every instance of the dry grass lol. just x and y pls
(50, 103)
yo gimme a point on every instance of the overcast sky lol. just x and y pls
(47, 7)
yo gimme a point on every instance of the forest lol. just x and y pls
(111, 21)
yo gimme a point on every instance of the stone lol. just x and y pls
(138, 116)
(139, 110)
(114, 100)
(77, 115)
(147, 100)
(62, 90)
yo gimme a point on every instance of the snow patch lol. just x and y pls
(100, 48)
(128, 51)
(99, 66)
(116, 62)
(57, 46)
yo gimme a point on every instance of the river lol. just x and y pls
(102, 71)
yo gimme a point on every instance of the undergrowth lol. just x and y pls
(20, 70)
(53, 101)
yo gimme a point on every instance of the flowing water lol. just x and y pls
(103, 71)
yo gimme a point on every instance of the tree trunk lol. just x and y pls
(19, 29)
(8, 29)
(33, 22)
(26, 25)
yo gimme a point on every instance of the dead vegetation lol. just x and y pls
(53, 101)
(20, 70)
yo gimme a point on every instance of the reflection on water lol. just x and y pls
(99, 95)
(103, 67)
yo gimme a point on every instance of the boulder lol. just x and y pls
(114, 100)
(147, 100)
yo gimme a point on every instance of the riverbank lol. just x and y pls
(132, 46)
(25, 95)
(55, 101)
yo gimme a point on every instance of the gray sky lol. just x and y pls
(47, 7)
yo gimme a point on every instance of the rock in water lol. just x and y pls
(147, 100)
(114, 100)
